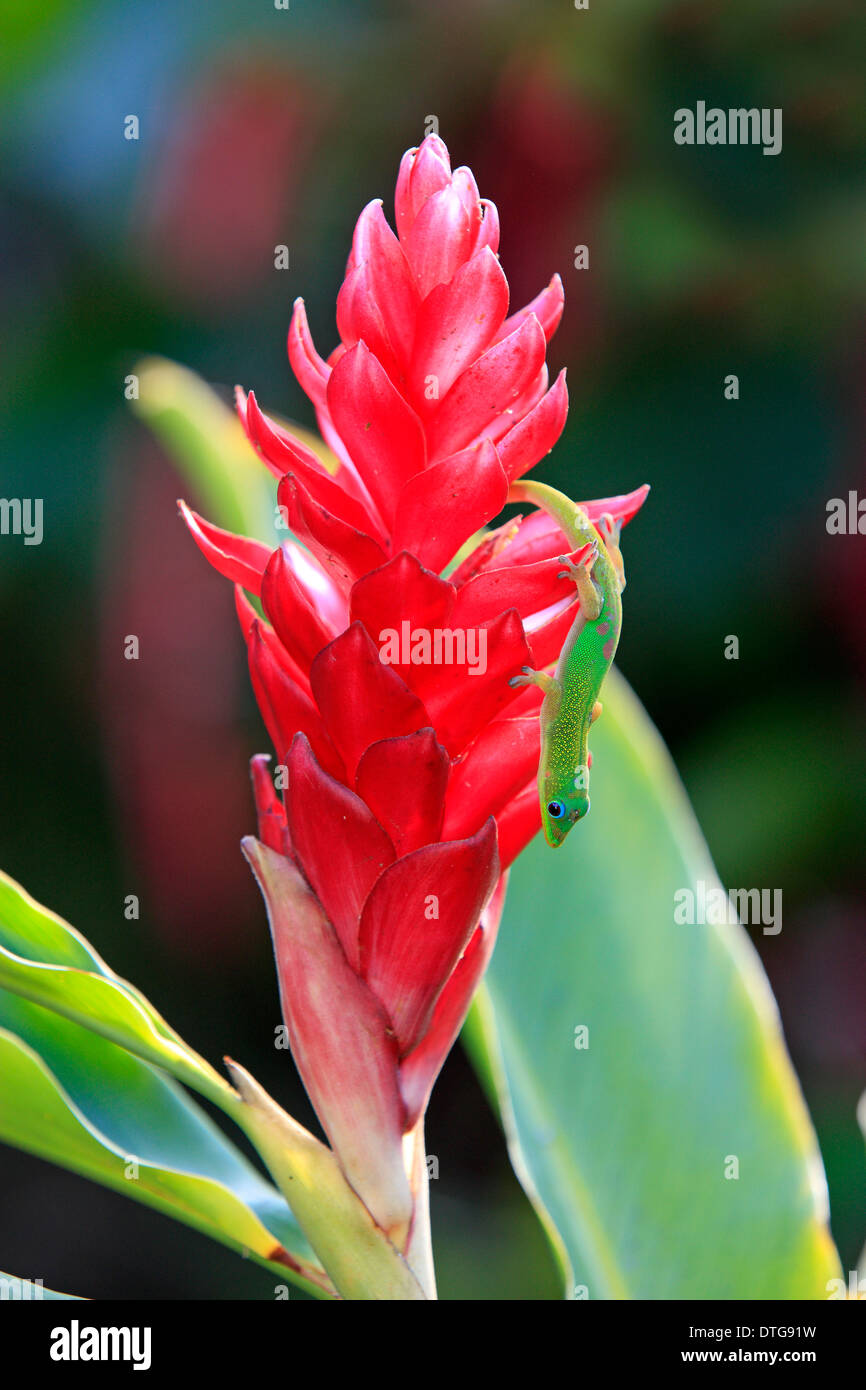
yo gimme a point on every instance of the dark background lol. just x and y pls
(261, 127)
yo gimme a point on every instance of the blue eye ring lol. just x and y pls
(555, 810)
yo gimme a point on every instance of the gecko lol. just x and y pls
(571, 702)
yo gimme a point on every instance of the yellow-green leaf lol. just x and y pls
(652, 1111)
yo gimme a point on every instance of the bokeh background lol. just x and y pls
(260, 127)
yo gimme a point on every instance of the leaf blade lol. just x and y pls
(686, 1065)
(73, 1098)
(45, 960)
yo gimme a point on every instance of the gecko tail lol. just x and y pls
(568, 515)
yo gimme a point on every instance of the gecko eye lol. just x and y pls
(555, 809)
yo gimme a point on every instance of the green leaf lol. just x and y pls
(208, 445)
(35, 35)
(207, 442)
(623, 1145)
(53, 984)
(46, 960)
(74, 1098)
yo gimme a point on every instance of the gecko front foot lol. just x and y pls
(583, 562)
(528, 676)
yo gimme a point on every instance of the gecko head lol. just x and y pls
(559, 815)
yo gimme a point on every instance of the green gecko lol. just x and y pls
(571, 702)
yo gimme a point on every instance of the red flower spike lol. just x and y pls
(289, 455)
(526, 402)
(382, 432)
(342, 550)
(423, 1064)
(460, 708)
(385, 299)
(486, 389)
(528, 588)
(311, 371)
(235, 557)
(456, 322)
(273, 830)
(494, 770)
(464, 185)
(401, 593)
(275, 445)
(488, 229)
(295, 619)
(318, 586)
(547, 308)
(341, 1041)
(518, 823)
(622, 508)
(440, 240)
(417, 923)
(241, 405)
(403, 781)
(384, 686)
(341, 848)
(439, 509)
(485, 552)
(247, 615)
(535, 434)
(361, 700)
(284, 706)
(282, 657)
(423, 172)
(358, 320)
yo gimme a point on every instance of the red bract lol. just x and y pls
(383, 679)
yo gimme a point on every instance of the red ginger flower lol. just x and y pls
(411, 781)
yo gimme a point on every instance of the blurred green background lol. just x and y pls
(261, 127)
